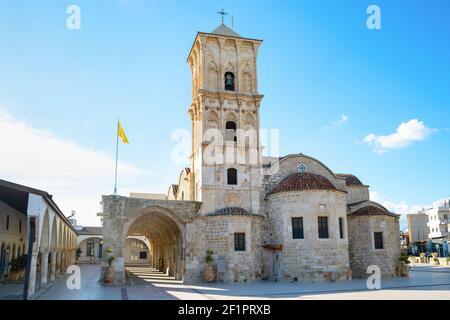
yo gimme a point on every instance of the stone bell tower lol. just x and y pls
(225, 121)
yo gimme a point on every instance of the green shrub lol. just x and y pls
(110, 261)
(404, 258)
(209, 258)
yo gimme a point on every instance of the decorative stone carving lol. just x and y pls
(232, 199)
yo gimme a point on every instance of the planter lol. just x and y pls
(404, 270)
(110, 275)
(208, 273)
(13, 275)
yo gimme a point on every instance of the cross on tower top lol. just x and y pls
(222, 13)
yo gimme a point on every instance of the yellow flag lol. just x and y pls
(121, 133)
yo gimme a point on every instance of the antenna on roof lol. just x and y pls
(232, 20)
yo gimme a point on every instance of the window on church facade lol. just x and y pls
(378, 240)
(230, 131)
(323, 227)
(297, 228)
(341, 228)
(229, 81)
(239, 242)
(232, 176)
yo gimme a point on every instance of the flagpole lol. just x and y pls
(117, 156)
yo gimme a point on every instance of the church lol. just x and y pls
(251, 217)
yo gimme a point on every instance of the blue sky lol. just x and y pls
(318, 62)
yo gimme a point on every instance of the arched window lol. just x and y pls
(230, 131)
(229, 81)
(232, 176)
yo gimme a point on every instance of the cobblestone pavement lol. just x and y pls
(425, 282)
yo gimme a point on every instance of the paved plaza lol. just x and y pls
(145, 283)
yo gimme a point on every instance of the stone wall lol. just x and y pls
(216, 233)
(357, 194)
(361, 244)
(310, 258)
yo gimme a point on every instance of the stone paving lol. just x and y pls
(145, 283)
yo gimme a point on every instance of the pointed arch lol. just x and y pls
(247, 79)
(54, 237)
(229, 78)
(212, 119)
(248, 121)
(45, 233)
(213, 76)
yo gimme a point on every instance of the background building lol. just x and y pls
(417, 226)
(438, 220)
(55, 238)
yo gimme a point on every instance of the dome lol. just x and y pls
(231, 211)
(303, 181)
(350, 180)
(371, 210)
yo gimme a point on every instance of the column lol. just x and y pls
(32, 280)
(63, 262)
(53, 266)
(58, 262)
(44, 268)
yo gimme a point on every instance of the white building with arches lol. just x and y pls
(55, 238)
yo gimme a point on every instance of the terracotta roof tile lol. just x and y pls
(350, 180)
(372, 211)
(303, 181)
(231, 211)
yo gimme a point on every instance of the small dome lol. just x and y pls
(233, 211)
(350, 180)
(371, 210)
(303, 181)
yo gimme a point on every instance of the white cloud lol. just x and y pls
(406, 134)
(402, 207)
(76, 176)
(343, 119)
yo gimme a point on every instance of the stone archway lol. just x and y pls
(165, 236)
(162, 222)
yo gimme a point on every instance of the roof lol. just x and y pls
(223, 30)
(231, 211)
(16, 196)
(372, 210)
(350, 180)
(303, 181)
(91, 231)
